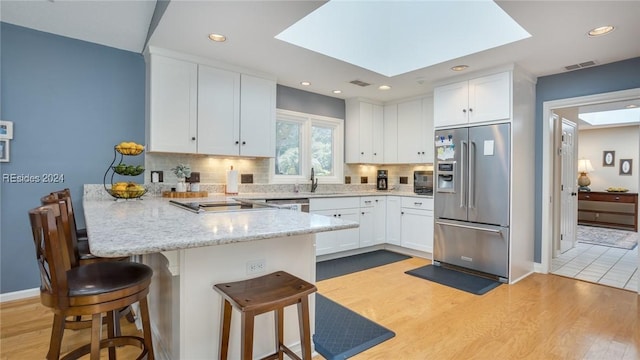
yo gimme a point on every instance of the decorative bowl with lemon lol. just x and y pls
(127, 190)
(129, 148)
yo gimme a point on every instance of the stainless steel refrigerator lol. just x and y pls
(471, 198)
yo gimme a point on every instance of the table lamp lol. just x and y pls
(584, 166)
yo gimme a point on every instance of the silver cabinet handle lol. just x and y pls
(417, 203)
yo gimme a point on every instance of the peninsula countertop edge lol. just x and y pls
(152, 225)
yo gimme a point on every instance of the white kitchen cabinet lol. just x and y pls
(417, 224)
(390, 138)
(347, 208)
(415, 143)
(481, 99)
(372, 220)
(236, 112)
(172, 113)
(218, 111)
(257, 117)
(393, 220)
(199, 109)
(364, 129)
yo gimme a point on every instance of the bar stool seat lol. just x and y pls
(272, 292)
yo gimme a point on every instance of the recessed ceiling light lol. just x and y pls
(460, 67)
(217, 37)
(384, 87)
(631, 106)
(305, 83)
(601, 30)
(337, 91)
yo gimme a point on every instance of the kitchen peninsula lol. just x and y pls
(190, 252)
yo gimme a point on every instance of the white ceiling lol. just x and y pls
(558, 30)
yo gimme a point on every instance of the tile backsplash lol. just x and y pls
(213, 170)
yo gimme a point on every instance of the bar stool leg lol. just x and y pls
(279, 321)
(112, 329)
(96, 329)
(305, 329)
(146, 327)
(56, 337)
(246, 335)
(225, 326)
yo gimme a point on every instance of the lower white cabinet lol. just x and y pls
(347, 208)
(372, 220)
(416, 229)
(394, 220)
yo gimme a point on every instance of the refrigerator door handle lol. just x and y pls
(472, 174)
(463, 192)
(469, 227)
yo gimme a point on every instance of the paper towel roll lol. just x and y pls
(232, 181)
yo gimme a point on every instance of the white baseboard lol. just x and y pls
(19, 295)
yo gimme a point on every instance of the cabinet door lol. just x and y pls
(410, 132)
(393, 222)
(417, 229)
(377, 136)
(218, 111)
(379, 220)
(450, 104)
(172, 121)
(427, 124)
(257, 117)
(365, 133)
(390, 134)
(325, 241)
(367, 227)
(348, 239)
(490, 98)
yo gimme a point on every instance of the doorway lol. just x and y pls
(550, 171)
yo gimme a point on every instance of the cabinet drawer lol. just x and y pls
(334, 203)
(610, 197)
(417, 203)
(370, 201)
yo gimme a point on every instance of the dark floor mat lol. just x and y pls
(346, 265)
(456, 279)
(341, 333)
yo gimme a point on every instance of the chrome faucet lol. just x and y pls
(314, 182)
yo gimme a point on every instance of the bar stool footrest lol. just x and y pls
(109, 343)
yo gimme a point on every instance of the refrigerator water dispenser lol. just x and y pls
(446, 177)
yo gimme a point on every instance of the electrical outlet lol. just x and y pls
(256, 266)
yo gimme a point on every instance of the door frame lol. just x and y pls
(547, 161)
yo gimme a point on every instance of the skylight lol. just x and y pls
(622, 116)
(394, 37)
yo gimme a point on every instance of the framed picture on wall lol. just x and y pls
(6, 129)
(4, 150)
(608, 158)
(625, 166)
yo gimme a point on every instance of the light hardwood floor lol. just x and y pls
(540, 317)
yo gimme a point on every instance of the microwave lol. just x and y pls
(423, 182)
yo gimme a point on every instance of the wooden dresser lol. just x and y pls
(609, 209)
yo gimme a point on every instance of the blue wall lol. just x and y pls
(70, 101)
(622, 75)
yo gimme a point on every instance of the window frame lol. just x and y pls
(307, 121)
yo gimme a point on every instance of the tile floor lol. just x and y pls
(600, 264)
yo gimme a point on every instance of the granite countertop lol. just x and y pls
(320, 195)
(135, 227)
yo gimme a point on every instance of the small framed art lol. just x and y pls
(608, 158)
(4, 150)
(625, 166)
(6, 130)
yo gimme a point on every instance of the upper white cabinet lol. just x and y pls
(481, 99)
(390, 138)
(415, 131)
(172, 120)
(364, 132)
(218, 111)
(199, 109)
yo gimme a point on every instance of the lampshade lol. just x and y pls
(584, 166)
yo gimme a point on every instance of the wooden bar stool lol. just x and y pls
(272, 292)
(92, 289)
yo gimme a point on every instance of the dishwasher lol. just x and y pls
(298, 204)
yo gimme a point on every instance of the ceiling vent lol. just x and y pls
(579, 66)
(359, 83)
